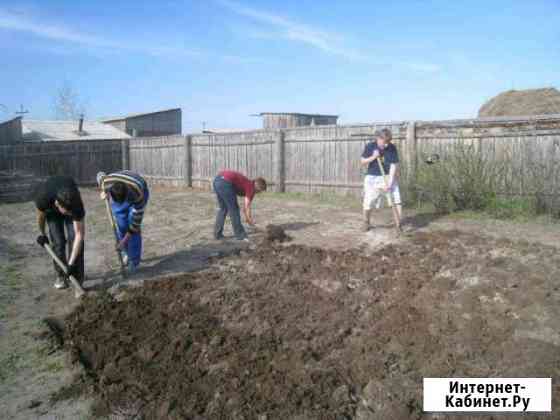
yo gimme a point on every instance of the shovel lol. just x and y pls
(78, 291)
(390, 199)
(114, 227)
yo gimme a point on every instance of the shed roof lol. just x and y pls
(40, 130)
(298, 114)
(9, 120)
(225, 130)
(128, 116)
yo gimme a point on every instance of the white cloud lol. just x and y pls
(21, 23)
(272, 26)
(287, 29)
(423, 67)
(63, 35)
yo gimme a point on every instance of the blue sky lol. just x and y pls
(222, 60)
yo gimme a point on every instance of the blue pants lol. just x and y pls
(123, 218)
(227, 202)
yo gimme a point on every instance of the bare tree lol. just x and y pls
(68, 105)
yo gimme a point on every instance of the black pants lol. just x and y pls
(57, 225)
(227, 202)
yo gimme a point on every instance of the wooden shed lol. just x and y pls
(10, 131)
(159, 123)
(295, 119)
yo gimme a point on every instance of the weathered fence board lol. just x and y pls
(252, 153)
(158, 157)
(79, 159)
(327, 158)
(309, 159)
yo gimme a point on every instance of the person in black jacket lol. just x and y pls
(59, 205)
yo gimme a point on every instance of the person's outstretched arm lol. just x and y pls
(247, 212)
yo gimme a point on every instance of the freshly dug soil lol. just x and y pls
(304, 333)
(276, 233)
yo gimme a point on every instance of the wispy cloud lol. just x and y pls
(282, 27)
(423, 67)
(62, 35)
(273, 26)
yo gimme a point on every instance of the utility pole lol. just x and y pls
(21, 111)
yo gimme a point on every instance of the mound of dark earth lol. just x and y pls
(275, 233)
(278, 333)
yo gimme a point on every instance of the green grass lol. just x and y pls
(13, 278)
(343, 201)
(511, 209)
(9, 363)
(508, 209)
(54, 366)
(514, 210)
(12, 282)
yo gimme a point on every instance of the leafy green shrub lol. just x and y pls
(433, 186)
(464, 179)
(511, 208)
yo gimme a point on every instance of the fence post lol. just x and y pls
(280, 163)
(187, 174)
(412, 150)
(78, 154)
(125, 150)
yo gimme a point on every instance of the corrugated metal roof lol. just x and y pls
(125, 117)
(39, 130)
(9, 120)
(298, 113)
(225, 130)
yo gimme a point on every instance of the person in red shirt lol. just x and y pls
(227, 186)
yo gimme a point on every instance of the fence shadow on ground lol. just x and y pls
(195, 258)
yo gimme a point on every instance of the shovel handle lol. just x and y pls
(63, 267)
(114, 227)
(396, 218)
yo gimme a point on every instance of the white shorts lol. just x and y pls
(374, 192)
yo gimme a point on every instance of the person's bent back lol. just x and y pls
(228, 185)
(60, 207)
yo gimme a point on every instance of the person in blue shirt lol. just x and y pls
(380, 148)
(128, 194)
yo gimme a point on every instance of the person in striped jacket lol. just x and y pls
(129, 194)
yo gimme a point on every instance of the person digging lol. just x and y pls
(60, 207)
(227, 186)
(128, 196)
(381, 158)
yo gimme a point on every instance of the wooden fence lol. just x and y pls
(158, 159)
(79, 159)
(327, 158)
(526, 149)
(307, 159)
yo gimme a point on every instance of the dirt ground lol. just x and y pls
(334, 324)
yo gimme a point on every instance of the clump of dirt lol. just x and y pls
(53, 333)
(275, 233)
(278, 333)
